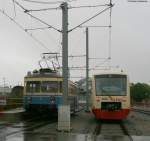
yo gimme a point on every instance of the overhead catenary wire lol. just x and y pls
(71, 0)
(14, 8)
(109, 38)
(83, 55)
(47, 2)
(90, 69)
(58, 8)
(94, 58)
(43, 2)
(70, 7)
(103, 62)
(49, 26)
(91, 18)
(72, 56)
(44, 9)
(21, 27)
(38, 28)
(94, 26)
(109, 43)
(38, 19)
(88, 6)
(27, 12)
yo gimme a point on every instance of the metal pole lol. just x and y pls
(64, 7)
(64, 109)
(87, 69)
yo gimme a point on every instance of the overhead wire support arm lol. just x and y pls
(109, 39)
(42, 2)
(38, 28)
(97, 58)
(45, 9)
(88, 6)
(44, 22)
(76, 56)
(94, 26)
(47, 2)
(26, 11)
(110, 6)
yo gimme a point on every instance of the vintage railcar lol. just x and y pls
(43, 91)
(110, 95)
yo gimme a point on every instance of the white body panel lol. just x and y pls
(125, 100)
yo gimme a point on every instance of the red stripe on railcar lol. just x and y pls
(116, 115)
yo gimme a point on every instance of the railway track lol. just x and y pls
(111, 129)
(146, 112)
(27, 125)
(30, 128)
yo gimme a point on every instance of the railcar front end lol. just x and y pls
(43, 92)
(110, 96)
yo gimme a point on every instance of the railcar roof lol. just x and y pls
(43, 76)
(43, 73)
(119, 72)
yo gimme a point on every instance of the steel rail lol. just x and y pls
(31, 127)
(146, 112)
(125, 131)
(98, 129)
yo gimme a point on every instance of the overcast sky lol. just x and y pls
(130, 46)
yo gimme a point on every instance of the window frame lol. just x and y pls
(112, 76)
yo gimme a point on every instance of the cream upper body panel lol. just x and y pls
(125, 99)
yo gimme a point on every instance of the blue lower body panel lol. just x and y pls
(42, 102)
(48, 103)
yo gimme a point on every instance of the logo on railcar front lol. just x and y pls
(114, 99)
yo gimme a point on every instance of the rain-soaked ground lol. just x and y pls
(17, 126)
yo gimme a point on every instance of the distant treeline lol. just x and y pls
(140, 92)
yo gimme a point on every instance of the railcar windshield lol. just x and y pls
(44, 86)
(51, 86)
(111, 85)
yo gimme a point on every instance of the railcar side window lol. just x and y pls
(33, 86)
(50, 86)
(111, 84)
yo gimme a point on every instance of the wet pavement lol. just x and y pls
(71, 137)
(15, 111)
(14, 128)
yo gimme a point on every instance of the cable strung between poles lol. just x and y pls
(91, 18)
(21, 27)
(71, 7)
(43, 2)
(14, 9)
(90, 6)
(26, 11)
(47, 2)
(45, 9)
(93, 26)
(38, 28)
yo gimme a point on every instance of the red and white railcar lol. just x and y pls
(111, 95)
